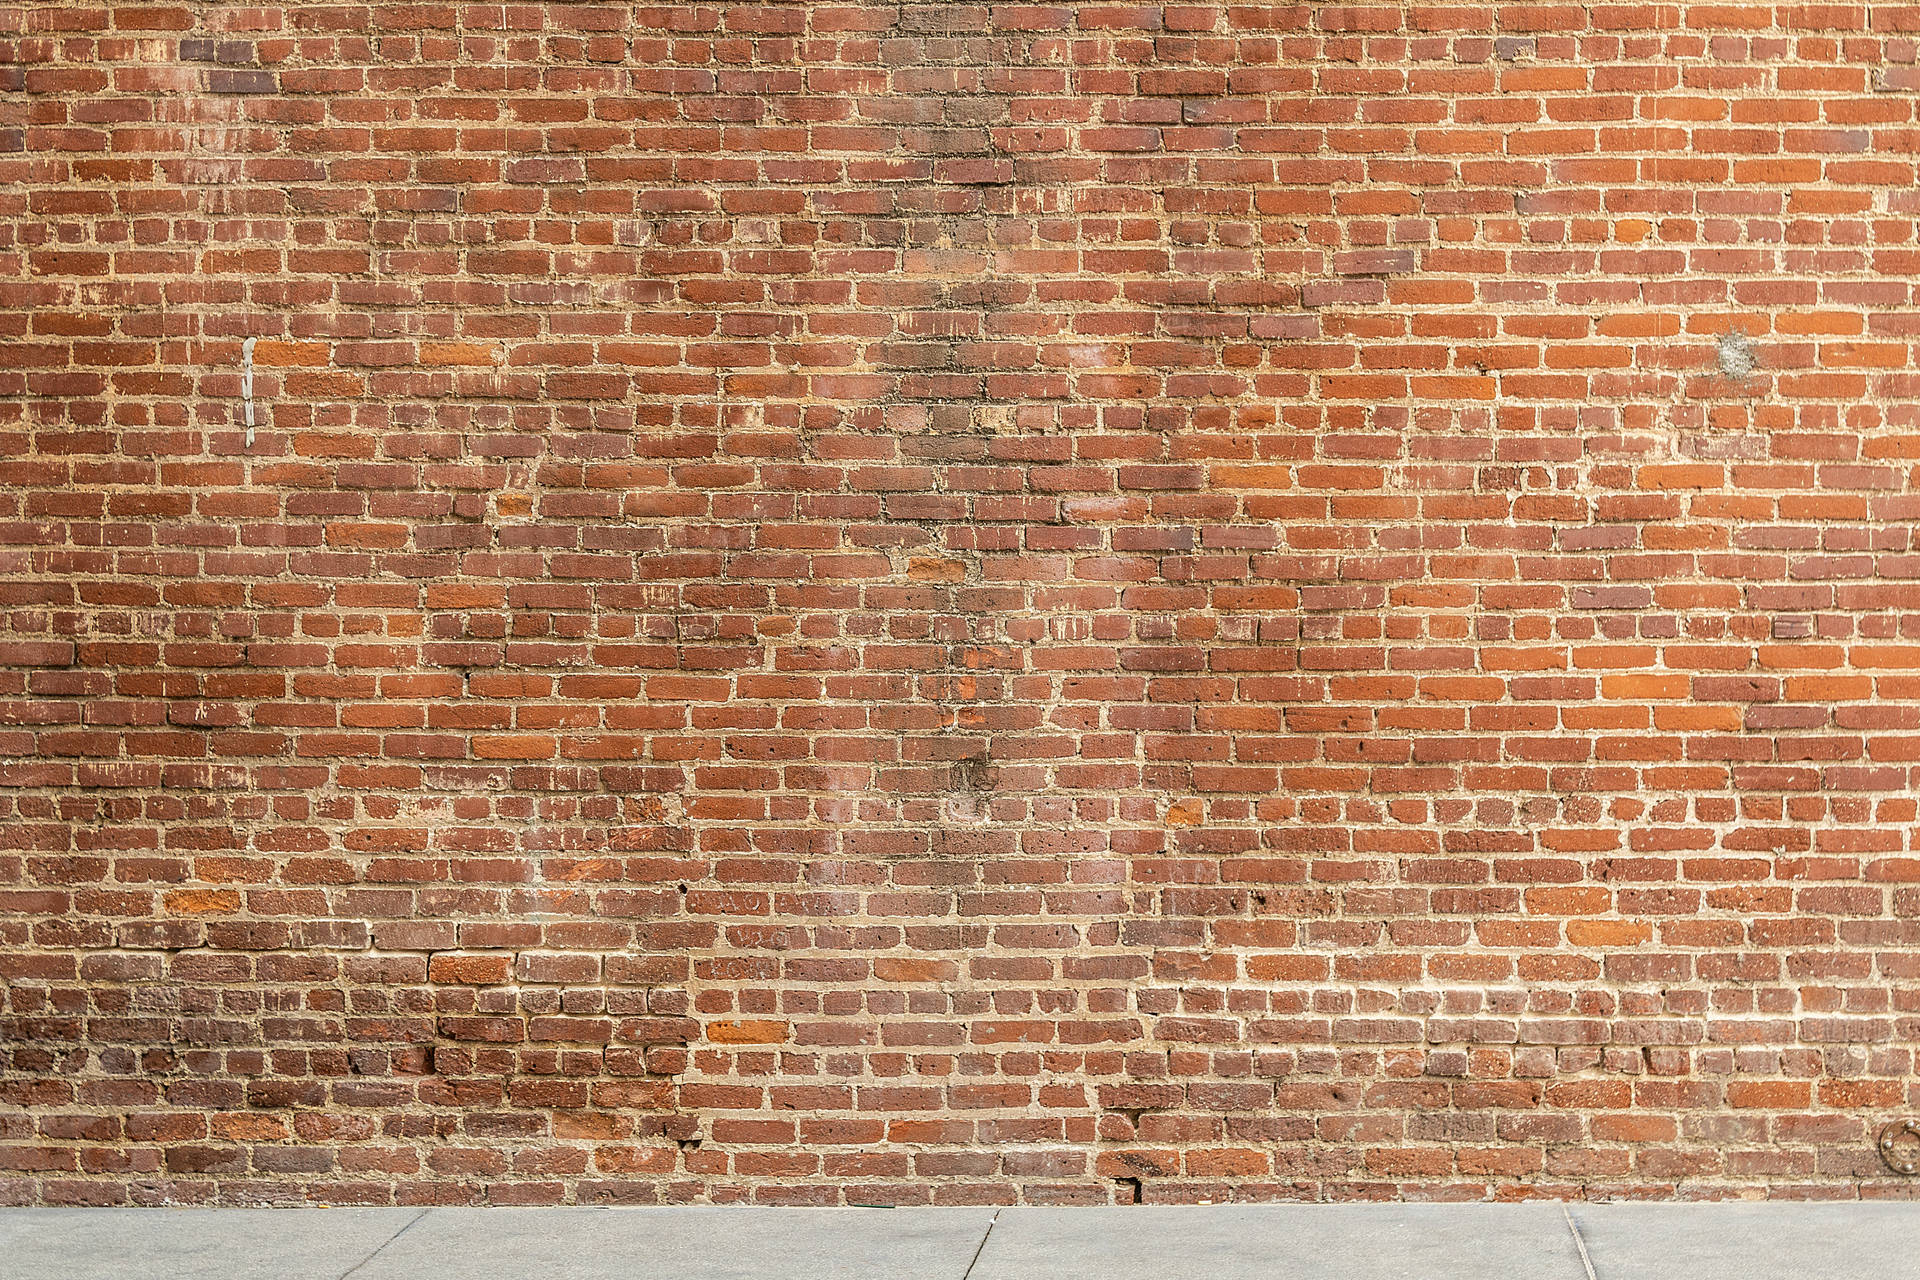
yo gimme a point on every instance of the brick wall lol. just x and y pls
(923, 602)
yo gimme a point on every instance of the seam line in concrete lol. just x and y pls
(981, 1248)
(410, 1225)
(1586, 1259)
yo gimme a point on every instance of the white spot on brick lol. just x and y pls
(246, 384)
(1737, 356)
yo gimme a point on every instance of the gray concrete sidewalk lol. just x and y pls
(1228, 1242)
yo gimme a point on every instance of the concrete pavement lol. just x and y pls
(1784, 1241)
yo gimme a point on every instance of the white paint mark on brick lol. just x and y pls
(1737, 356)
(246, 384)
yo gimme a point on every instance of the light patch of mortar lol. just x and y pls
(1736, 355)
(246, 384)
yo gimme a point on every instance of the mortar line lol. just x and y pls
(978, 1250)
(1586, 1259)
(411, 1223)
